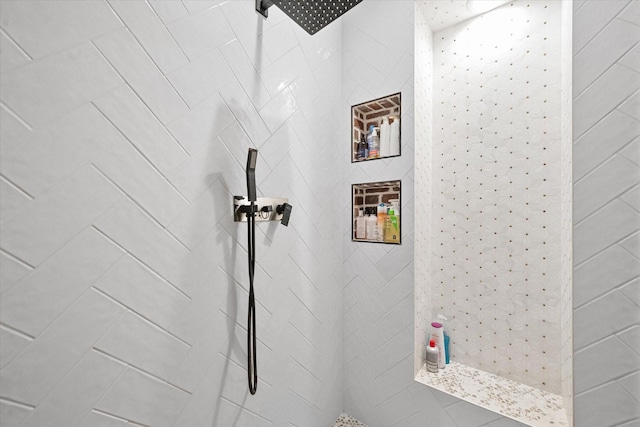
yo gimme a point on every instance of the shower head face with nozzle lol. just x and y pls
(314, 15)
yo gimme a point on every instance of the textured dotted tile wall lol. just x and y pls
(496, 191)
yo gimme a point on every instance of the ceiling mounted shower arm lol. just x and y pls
(262, 7)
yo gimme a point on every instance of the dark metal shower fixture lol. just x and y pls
(251, 209)
(311, 15)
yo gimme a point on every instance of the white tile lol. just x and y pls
(608, 45)
(144, 292)
(143, 345)
(202, 32)
(631, 337)
(142, 237)
(45, 28)
(284, 70)
(52, 287)
(45, 156)
(11, 344)
(197, 129)
(608, 405)
(131, 172)
(41, 366)
(592, 18)
(396, 319)
(237, 142)
(98, 419)
(280, 108)
(619, 311)
(202, 215)
(631, 13)
(467, 414)
(142, 399)
(12, 199)
(129, 114)
(248, 26)
(44, 90)
(632, 151)
(244, 111)
(631, 59)
(603, 140)
(604, 272)
(602, 96)
(632, 106)
(606, 182)
(246, 74)
(632, 244)
(279, 39)
(11, 56)
(278, 145)
(145, 25)
(199, 79)
(11, 272)
(604, 228)
(205, 167)
(76, 394)
(12, 414)
(42, 227)
(397, 288)
(131, 61)
(630, 290)
(197, 5)
(621, 361)
(169, 11)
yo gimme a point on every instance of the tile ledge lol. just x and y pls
(523, 403)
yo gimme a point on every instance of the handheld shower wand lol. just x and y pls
(267, 209)
(252, 363)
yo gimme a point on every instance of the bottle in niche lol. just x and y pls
(391, 229)
(382, 215)
(372, 224)
(432, 356)
(362, 148)
(374, 143)
(361, 226)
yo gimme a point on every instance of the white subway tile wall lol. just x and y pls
(125, 129)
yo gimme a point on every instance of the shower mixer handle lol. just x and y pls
(284, 210)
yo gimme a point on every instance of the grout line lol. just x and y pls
(115, 417)
(243, 408)
(304, 399)
(16, 116)
(305, 306)
(16, 332)
(244, 330)
(138, 259)
(15, 43)
(155, 12)
(141, 316)
(305, 368)
(16, 403)
(138, 95)
(135, 147)
(16, 187)
(142, 209)
(15, 258)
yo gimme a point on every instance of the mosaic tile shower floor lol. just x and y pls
(346, 421)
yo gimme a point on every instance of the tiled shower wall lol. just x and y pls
(496, 191)
(606, 176)
(125, 128)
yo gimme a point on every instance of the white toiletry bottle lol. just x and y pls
(437, 334)
(382, 216)
(361, 230)
(432, 356)
(372, 224)
(394, 144)
(385, 138)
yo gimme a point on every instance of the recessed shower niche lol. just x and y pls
(493, 207)
(376, 212)
(375, 129)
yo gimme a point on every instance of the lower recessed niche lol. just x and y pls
(376, 212)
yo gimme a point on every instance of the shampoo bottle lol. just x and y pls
(362, 148)
(382, 215)
(374, 143)
(447, 355)
(432, 356)
(385, 138)
(372, 224)
(394, 144)
(437, 334)
(391, 229)
(361, 230)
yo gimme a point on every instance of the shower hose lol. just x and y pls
(252, 364)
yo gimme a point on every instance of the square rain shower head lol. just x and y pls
(311, 15)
